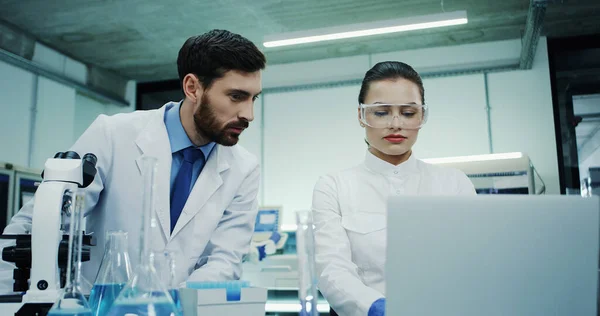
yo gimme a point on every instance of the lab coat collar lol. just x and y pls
(153, 141)
(385, 168)
(208, 182)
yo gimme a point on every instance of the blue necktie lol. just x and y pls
(181, 186)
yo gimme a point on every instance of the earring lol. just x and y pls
(362, 125)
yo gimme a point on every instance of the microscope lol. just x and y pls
(41, 257)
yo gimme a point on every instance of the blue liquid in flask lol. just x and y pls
(144, 294)
(103, 296)
(143, 306)
(71, 312)
(175, 296)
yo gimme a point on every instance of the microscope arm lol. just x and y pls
(45, 240)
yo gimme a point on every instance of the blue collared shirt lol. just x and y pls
(179, 140)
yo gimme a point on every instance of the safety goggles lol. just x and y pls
(407, 116)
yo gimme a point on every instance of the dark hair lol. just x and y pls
(390, 70)
(210, 55)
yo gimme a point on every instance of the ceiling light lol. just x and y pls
(367, 29)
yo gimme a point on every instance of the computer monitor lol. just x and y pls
(492, 255)
(6, 198)
(26, 183)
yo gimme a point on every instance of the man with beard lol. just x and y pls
(206, 185)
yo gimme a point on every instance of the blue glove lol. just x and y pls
(262, 253)
(377, 308)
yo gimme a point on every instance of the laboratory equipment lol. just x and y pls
(223, 298)
(6, 193)
(267, 239)
(17, 186)
(305, 248)
(165, 266)
(144, 294)
(492, 255)
(278, 271)
(71, 301)
(586, 189)
(501, 173)
(590, 185)
(114, 273)
(27, 181)
(40, 256)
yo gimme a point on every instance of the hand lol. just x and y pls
(377, 308)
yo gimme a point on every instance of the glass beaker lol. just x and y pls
(144, 294)
(114, 273)
(164, 263)
(586, 187)
(72, 301)
(307, 272)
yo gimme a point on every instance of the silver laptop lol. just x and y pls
(492, 255)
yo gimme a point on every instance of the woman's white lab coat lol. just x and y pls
(349, 212)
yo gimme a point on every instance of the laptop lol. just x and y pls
(492, 255)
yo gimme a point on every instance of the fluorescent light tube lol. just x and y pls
(487, 157)
(367, 29)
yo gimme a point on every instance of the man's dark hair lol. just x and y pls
(390, 70)
(210, 55)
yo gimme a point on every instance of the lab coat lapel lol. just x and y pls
(208, 182)
(154, 141)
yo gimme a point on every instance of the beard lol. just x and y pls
(207, 124)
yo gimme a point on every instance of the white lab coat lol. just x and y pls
(349, 210)
(216, 225)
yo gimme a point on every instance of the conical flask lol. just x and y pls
(144, 294)
(72, 301)
(165, 265)
(114, 273)
(305, 247)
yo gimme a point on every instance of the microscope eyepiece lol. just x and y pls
(71, 155)
(91, 158)
(89, 169)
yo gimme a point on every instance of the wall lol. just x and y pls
(307, 134)
(16, 89)
(55, 115)
(523, 117)
(40, 116)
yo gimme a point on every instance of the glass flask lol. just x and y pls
(71, 300)
(114, 273)
(586, 187)
(144, 294)
(307, 272)
(164, 263)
